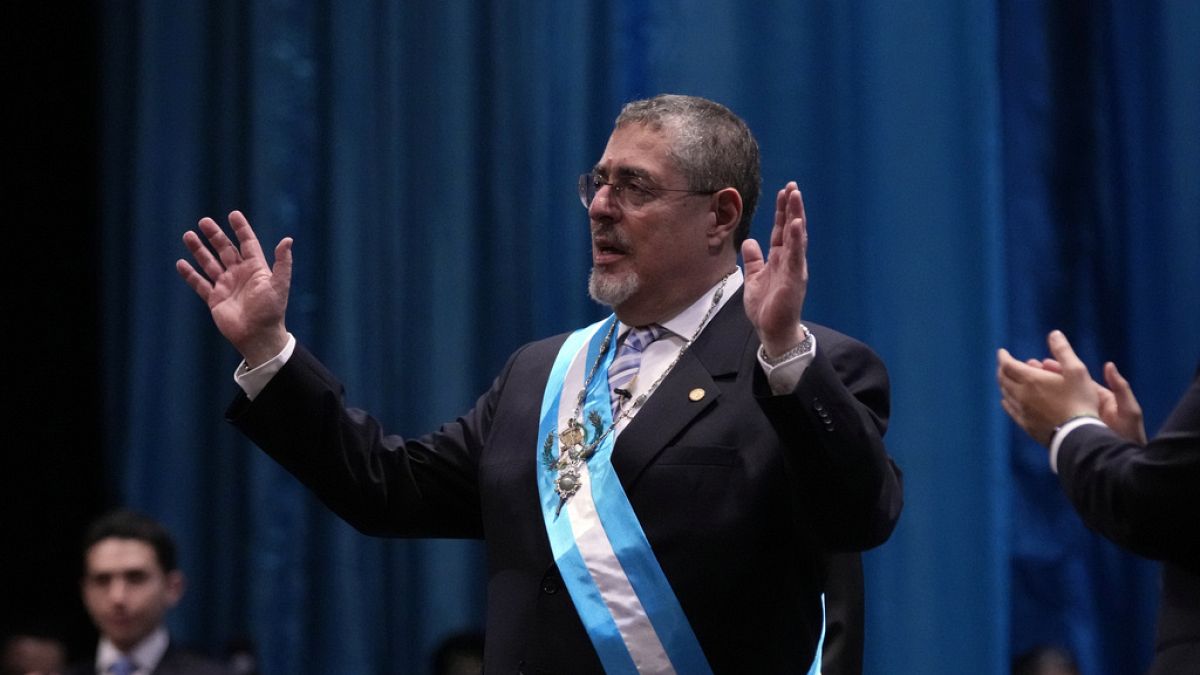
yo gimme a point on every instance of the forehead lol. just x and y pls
(116, 555)
(637, 150)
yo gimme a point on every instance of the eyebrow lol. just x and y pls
(624, 172)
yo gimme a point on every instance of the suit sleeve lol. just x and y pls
(1142, 498)
(833, 425)
(380, 483)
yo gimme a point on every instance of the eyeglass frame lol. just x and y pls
(592, 181)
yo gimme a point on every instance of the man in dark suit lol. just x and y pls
(1139, 493)
(660, 491)
(130, 582)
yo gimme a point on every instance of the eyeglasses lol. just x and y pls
(627, 191)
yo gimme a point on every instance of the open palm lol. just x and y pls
(246, 297)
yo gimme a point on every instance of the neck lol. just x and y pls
(663, 309)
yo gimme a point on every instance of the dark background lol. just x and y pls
(53, 459)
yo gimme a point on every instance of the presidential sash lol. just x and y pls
(623, 598)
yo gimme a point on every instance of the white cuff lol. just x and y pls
(784, 375)
(254, 380)
(1060, 434)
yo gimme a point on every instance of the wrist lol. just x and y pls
(779, 351)
(1073, 418)
(259, 351)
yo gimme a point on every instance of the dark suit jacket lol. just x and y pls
(175, 661)
(1144, 498)
(743, 495)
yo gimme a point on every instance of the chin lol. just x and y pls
(612, 289)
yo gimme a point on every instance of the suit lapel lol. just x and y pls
(716, 354)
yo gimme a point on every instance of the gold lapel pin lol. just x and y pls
(696, 394)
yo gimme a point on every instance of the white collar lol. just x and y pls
(685, 323)
(146, 654)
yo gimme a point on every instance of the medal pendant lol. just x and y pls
(567, 484)
(572, 435)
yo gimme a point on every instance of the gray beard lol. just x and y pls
(611, 289)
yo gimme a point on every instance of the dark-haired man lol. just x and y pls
(660, 491)
(131, 580)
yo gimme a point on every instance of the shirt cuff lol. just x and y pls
(1060, 434)
(784, 376)
(254, 380)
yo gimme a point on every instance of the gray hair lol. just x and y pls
(710, 145)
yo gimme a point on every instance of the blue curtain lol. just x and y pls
(1101, 126)
(975, 173)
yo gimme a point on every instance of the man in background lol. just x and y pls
(131, 580)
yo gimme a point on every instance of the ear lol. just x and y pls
(726, 214)
(176, 584)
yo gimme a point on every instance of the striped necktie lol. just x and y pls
(629, 358)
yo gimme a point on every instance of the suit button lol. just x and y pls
(550, 585)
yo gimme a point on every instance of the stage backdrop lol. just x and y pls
(975, 173)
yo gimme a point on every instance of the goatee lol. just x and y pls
(612, 289)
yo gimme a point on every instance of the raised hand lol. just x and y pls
(776, 286)
(247, 298)
(1040, 396)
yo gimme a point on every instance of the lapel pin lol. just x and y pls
(696, 394)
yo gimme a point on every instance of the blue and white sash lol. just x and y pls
(622, 596)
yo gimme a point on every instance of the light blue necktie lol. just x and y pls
(628, 360)
(123, 666)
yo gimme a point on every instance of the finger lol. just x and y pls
(1002, 357)
(1061, 349)
(203, 256)
(1051, 365)
(776, 237)
(752, 257)
(1120, 388)
(225, 250)
(782, 217)
(780, 209)
(281, 272)
(1009, 368)
(799, 225)
(1011, 409)
(1010, 389)
(247, 240)
(791, 250)
(193, 279)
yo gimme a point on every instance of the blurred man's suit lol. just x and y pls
(1147, 499)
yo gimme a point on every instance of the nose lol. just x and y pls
(117, 590)
(603, 205)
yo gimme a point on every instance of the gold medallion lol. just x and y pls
(572, 435)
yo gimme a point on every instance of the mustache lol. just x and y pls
(611, 235)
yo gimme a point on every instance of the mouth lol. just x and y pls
(608, 248)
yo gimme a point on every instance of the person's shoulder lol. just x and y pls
(540, 349)
(81, 668)
(181, 661)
